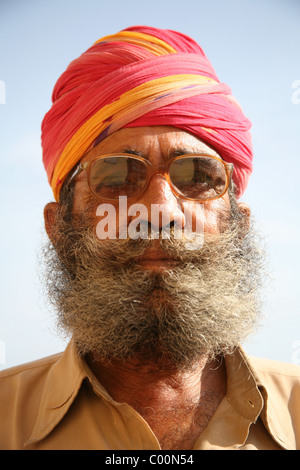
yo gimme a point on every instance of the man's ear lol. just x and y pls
(245, 210)
(50, 214)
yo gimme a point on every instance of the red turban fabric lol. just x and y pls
(142, 76)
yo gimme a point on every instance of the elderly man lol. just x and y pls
(152, 264)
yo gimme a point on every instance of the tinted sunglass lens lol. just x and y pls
(114, 176)
(198, 177)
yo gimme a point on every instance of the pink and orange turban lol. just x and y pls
(142, 76)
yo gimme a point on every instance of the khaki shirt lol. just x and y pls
(57, 403)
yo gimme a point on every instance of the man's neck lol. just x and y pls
(176, 405)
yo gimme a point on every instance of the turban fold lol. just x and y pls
(142, 76)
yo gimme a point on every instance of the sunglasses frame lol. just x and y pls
(155, 170)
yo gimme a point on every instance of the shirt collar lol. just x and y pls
(271, 413)
(245, 391)
(61, 387)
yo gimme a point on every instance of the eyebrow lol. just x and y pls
(132, 151)
(175, 152)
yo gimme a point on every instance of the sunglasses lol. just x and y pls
(192, 177)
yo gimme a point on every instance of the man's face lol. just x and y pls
(157, 144)
(153, 299)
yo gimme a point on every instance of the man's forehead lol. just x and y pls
(147, 142)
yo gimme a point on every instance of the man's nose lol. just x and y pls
(163, 207)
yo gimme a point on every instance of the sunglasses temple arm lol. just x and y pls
(78, 169)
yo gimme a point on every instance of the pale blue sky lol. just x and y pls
(254, 47)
